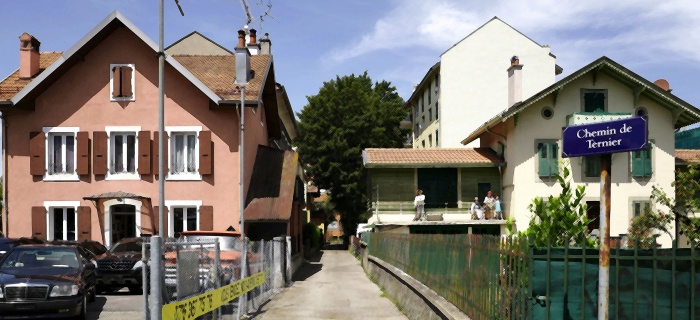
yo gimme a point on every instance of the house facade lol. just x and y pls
(530, 129)
(459, 92)
(80, 137)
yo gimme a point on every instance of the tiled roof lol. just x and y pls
(687, 155)
(219, 73)
(13, 84)
(437, 156)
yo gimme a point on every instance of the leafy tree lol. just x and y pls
(686, 201)
(641, 228)
(560, 219)
(348, 114)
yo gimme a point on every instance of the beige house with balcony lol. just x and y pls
(529, 133)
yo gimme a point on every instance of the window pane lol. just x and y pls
(191, 164)
(58, 223)
(191, 218)
(119, 153)
(179, 155)
(178, 221)
(131, 153)
(592, 166)
(594, 102)
(56, 160)
(70, 229)
(70, 154)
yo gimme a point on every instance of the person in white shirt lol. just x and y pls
(419, 204)
(477, 212)
(488, 205)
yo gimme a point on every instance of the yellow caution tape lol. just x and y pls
(211, 300)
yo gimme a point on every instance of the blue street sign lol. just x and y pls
(630, 134)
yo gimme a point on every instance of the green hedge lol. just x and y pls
(311, 232)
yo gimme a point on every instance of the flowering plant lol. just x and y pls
(642, 227)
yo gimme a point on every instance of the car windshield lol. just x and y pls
(132, 246)
(225, 243)
(5, 247)
(41, 258)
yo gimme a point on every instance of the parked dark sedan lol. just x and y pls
(89, 249)
(6, 244)
(45, 281)
(121, 266)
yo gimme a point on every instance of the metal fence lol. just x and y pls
(488, 277)
(195, 268)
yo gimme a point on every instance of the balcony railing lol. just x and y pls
(406, 207)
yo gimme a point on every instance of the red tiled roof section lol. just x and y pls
(219, 73)
(427, 156)
(13, 84)
(687, 155)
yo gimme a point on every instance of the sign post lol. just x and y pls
(604, 139)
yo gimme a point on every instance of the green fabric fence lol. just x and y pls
(488, 277)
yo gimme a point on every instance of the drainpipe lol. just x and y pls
(5, 212)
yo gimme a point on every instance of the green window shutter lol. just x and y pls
(543, 160)
(554, 159)
(637, 164)
(641, 163)
(647, 162)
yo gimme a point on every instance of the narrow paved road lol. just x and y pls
(332, 286)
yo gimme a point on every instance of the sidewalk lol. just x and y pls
(332, 286)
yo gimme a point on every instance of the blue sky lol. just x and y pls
(395, 40)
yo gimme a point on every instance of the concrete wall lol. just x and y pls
(414, 299)
(474, 81)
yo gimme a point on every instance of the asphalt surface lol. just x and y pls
(116, 305)
(332, 286)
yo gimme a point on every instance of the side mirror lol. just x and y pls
(90, 266)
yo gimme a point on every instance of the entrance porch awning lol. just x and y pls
(115, 195)
(119, 195)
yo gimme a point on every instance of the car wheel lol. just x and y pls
(93, 295)
(136, 289)
(83, 309)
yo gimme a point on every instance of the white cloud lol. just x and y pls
(577, 31)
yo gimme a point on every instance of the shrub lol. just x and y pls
(311, 232)
(560, 219)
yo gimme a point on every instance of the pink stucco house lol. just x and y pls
(80, 138)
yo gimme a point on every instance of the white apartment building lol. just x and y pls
(461, 92)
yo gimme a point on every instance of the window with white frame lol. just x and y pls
(641, 207)
(123, 145)
(183, 161)
(122, 82)
(61, 153)
(62, 220)
(183, 216)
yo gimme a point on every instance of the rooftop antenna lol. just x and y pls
(249, 17)
(266, 13)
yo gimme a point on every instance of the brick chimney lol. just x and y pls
(265, 44)
(242, 59)
(663, 84)
(515, 81)
(29, 56)
(253, 46)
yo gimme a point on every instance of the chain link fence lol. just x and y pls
(195, 266)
